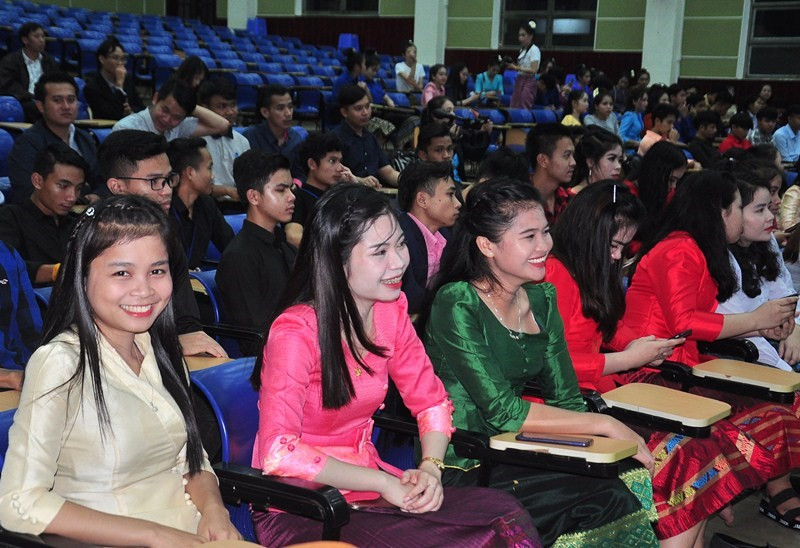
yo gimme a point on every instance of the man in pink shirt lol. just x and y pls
(427, 197)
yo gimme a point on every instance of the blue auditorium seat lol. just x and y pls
(6, 142)
(11, 109)
(101, 134)
(285, 80)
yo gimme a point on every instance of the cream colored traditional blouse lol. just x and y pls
(56, 453)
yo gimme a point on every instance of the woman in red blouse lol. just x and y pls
(591, 303)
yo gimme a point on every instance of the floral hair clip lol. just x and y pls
(532, 24)
(90, 211)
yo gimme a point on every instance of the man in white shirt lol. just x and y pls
(19, 71)
(175, 114)
(219, 96)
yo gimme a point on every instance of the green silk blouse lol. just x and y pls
(485, 370)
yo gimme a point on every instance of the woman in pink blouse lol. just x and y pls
(343, 332)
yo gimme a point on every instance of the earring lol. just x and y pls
(590, 175)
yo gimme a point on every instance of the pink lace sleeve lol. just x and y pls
(438, 418)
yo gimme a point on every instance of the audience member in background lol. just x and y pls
(723, 101)
(550, 152)
(193, 71)
(20, 70)
(787, 138)
(435, 144)
(40, 225)
(409, 73)
(761, 134)
(663, 116)
(759, 268)
(751, 106)
(174, 113)
(620, 92)
(343, 332)
(489, 84)
(106, 447)
(548, 94)
(377, 95)
(136, 162)
(656, 95)
(20, 322)
(361, 152)
(491, 331)
(603, 113)
(583, 80)
(275, 134)
(429, 205)
(435, 87)
(740, 124)
(765, 94)
(255, 267)
(702, 147)
(57, 100)
(683, 123)
(527, 66)
(642, 77)
(598, 157)
(472, 141)
(219, 96)
(504, 162)
(321, 154)
(197, 219)
(351, 75)
(631, 127)
(110, 91)
(577, 105)
(456, 87)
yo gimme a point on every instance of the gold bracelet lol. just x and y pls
(439, 463)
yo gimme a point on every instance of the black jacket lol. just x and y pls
(14, 74)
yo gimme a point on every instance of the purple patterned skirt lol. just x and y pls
(470, 516)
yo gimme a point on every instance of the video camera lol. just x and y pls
(467, 123)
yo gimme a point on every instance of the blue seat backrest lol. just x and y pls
(235, 221)
(6, 143)
(6, 418)
(235, 404)
(208, 279)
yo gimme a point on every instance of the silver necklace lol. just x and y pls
(514, 335)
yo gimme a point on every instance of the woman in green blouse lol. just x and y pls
(489, 332)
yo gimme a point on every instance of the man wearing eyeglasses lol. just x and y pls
(136, 162)
(57, 99)
(110, 91)
(175, 114)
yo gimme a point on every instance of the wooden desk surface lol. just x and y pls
(602, 450)
(667, 403)
(19, 126)
(96, 123)
(197, 286)
(196, 363)
(388, 190)
(749, 373)
(9, 399)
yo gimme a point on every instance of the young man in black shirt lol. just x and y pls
(321, 155)
(255, 266)
(40, 226)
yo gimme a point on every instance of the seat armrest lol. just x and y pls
(734, 349)
(310, 499)
(233, 332)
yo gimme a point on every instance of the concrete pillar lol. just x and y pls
(663, 33)
(239, 11)
(430, 30)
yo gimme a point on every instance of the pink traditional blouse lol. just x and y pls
(296, 435)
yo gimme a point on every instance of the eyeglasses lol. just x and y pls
(156, 183)
(119, 58)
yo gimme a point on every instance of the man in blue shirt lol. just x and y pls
(20, 319)
(360, 149)
(786, 138)
(276, 134)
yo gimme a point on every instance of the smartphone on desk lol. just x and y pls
(556, 439)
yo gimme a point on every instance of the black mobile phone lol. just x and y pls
(682, 334)
(555, 439)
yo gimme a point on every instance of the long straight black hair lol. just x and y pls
(319, 279)
(759, 260)
(582, 242)
(114, 221)
(697, 209)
